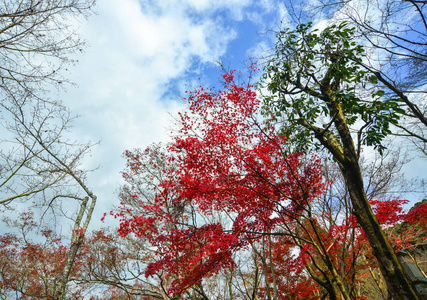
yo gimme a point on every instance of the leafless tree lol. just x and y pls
(37, 40)
(38, 162)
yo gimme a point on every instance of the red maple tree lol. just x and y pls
(222, 160)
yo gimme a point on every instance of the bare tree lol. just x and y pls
(37, 39)
(33, 143)
(38, 162)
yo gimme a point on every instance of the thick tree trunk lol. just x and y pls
(398, 283)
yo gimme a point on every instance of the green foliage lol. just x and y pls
(315, 75)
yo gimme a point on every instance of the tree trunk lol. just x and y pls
(398, 283)
(60, 287)
(76, 240)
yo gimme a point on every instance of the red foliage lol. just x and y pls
(389, 212)
(30, 268)
(224, 161)
(293, 282)
(418, 215)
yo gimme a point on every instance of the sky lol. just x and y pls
(140, 59)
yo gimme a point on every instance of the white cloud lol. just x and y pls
(133, 56)
(138, 50)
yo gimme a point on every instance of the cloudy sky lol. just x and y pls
(140, 59)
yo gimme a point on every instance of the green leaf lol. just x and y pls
(373, 79)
